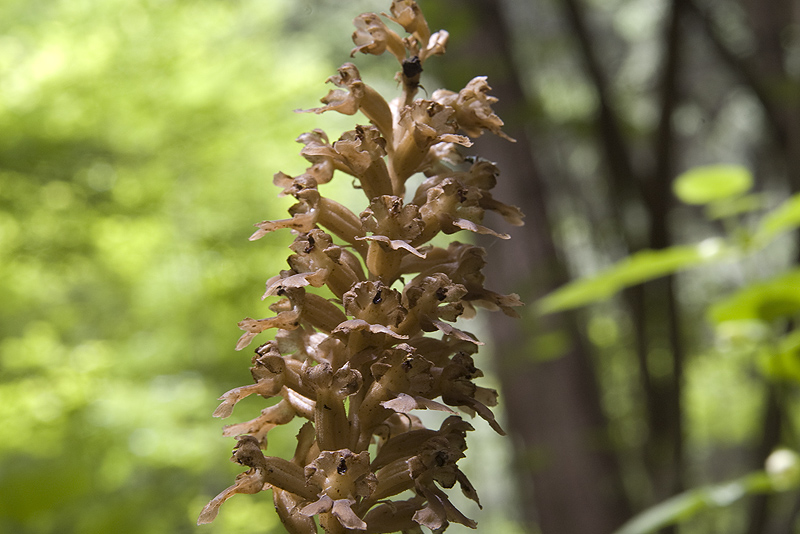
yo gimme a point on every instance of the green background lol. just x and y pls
(139, 142)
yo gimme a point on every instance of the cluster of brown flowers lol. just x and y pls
(358, 362)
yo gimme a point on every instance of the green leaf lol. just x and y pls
(784, 218)
(635, 269)
(702, 185)
(764, 301)
(689, 503)
(783, 362)
(730, 207)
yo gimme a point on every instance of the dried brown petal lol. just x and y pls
(267, 386)
(466, 224)
(286, 504)
(322, 166)
(347, 517)
(394, 516)
(320, 506)
(408, 15)
(250, 482)
(375, 303)
(304, 216)
(373, 37)
(421, 125)
(278, 414)
(404, 403)
(293, 185)
(286, 320)
(344, 477)
(395, 244)
(359, 96)
(512, 214)
(362, 151)
(473, 108)
(277, 285)
(436, 46)
(387, 216)
(263, 472)
(439, 510)
(355, 325)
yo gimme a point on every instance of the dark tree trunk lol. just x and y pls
(569, 478)
(652, 307)
(666, 417)
(763, 73)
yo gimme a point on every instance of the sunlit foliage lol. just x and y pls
(138, 142)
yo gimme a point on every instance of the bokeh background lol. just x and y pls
(138, 139)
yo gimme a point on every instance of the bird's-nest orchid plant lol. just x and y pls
(356, 361)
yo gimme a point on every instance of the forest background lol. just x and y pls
(139, 141)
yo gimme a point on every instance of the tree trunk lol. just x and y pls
(568, 474)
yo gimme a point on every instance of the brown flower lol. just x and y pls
(463, 264)
(402, 382)
(455, 382)
(420, 459)
(395, 516)
(296, 307)
(263, 472)
(373, 37)
(473, 108)
(270, 371)
(304, 214)
(315, 252)
(359, 96)
(375, 303)
(449, 207)
(431, 301)
(345, 478)
(479, 178)
(408, 15)
(420, 126)
(322, 167)
(393, 227)
(313, 209)
(271, 417)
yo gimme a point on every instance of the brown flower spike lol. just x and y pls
(365, 311)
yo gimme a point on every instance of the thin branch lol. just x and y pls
(658, 200)
(743, 70)
(613, 142)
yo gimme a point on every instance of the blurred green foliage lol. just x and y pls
(755, 327)
(721, 188)
(710, 183)
(139, 140)
(637, 268)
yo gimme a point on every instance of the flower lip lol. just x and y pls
(372, 36)
(407, 14)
